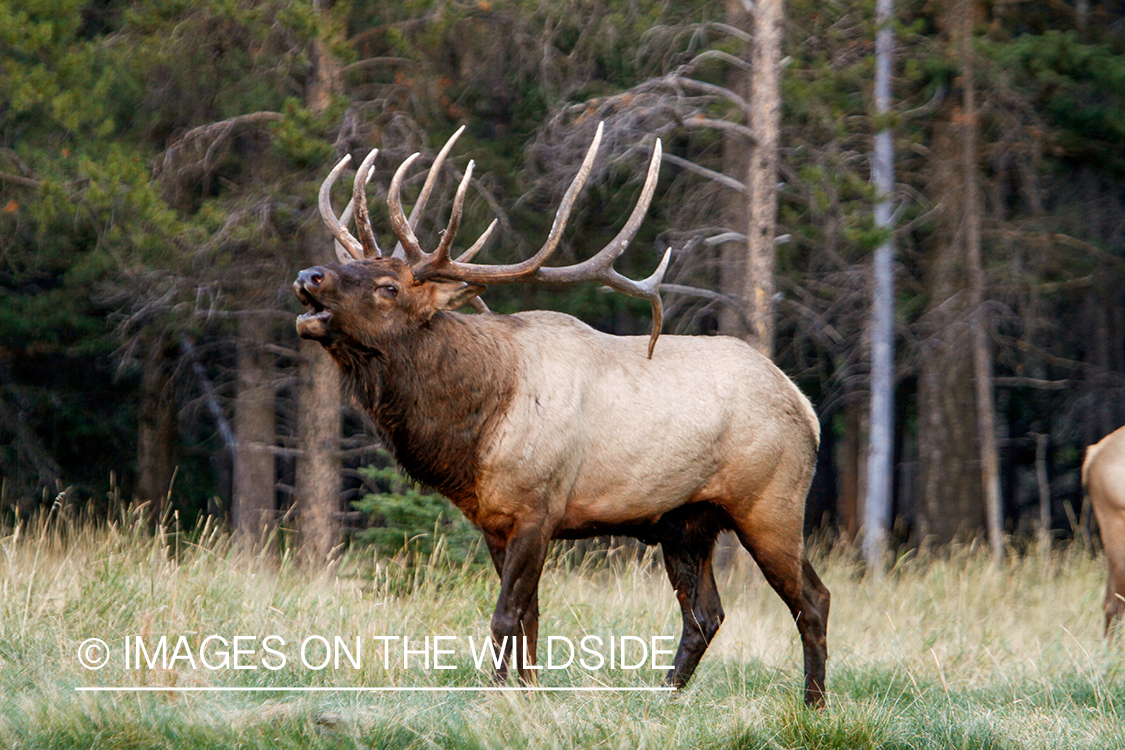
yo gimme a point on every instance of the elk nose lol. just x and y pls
(311, 278)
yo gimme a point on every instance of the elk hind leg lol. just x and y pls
(688, 563)
(1113, 540)
(779, 550)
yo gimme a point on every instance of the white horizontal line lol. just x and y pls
(318, 689)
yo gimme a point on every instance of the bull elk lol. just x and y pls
(1103, 477)
(538, 427)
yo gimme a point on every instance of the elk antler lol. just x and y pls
(414, 251)
(359, 200)
(598, 268)
(439, 265)
(344, 238)
(348, 248)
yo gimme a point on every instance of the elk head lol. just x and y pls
(370, 294)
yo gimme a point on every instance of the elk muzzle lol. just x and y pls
(310, 286)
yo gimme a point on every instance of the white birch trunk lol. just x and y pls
(880, 459)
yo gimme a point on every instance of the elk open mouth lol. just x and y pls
(313, 323)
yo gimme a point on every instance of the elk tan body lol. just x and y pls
(1103, 476)
(623, 439)
(538, 427)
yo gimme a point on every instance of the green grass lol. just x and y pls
(943, 653)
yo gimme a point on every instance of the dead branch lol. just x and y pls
(375, 62)
(15, 179)
(212, 400)
(192, 156)
(709, 174)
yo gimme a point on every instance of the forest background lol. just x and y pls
(159, 164)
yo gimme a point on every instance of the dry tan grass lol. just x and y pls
(946, 651)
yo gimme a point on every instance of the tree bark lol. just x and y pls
(950, 478)
(736, 160)
(982, 351)
(327, 79)
(156, 431)
(254, 501)
(1043, 485)
(318, 465)
(847, 501)
(761, 176)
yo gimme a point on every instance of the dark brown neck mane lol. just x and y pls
(434, 394)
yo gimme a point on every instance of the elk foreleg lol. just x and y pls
(692, 577)
(515, 622)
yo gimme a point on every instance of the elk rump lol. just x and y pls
(1103, 476)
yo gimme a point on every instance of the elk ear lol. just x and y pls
(450, 295)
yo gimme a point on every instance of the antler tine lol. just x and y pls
(399, 222)
(342, 235)
(469, 254)
(359, 200)
(500, 274)
(428, 186)
(431, 177)
(342, 255)
(604, 272)
(591, 268)
(600, 267)
(648, 289)
(441, 256)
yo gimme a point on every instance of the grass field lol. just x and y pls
(943, 653)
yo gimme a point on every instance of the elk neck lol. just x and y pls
(436, 394)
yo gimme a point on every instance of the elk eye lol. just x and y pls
(387, 290)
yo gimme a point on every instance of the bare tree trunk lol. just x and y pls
(156, 431)
(761, 176)
(1105, 417)
(748, 265)
(318, 465)
(254, 500)
(327, 74)
(949, 459)
(736, 159)
(1082, 14)
(880, 459)
(982, 352)
(1042, 482)
(732, 274)
(847, 501)
(949, 477)
(319, 422)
